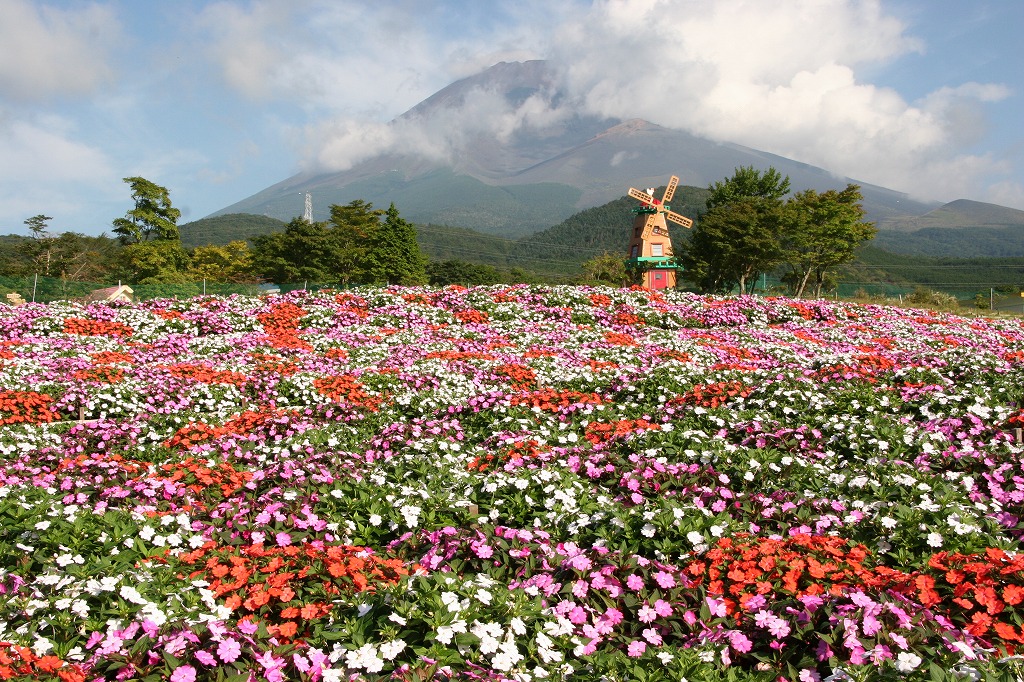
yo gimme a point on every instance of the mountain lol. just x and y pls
(515, 184)
(963, 228)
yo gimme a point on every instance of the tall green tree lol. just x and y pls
(303, 252)
(606, 269)
(822, 231)
(739, 236)
(40, 249)
(393, 255)
(352, 228)
(153, 216)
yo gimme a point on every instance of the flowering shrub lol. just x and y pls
(509, 483)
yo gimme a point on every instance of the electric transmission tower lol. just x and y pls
(307, 214)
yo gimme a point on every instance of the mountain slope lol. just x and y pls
(525, 179)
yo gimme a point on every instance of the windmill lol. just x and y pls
(650, 250)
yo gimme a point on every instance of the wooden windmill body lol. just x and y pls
(651, 258)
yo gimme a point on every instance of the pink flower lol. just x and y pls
(205, 657)
(283, 539)
(717, 606)
(646, 614)
(636, 648)
(663, 608)
(665, 580)
(739, 641)
(779, 628)
(652, 636)
(577, 615)
(634, 582)
(613, 616)
(579, 588)
(229, 650)
(247, 627)
(184, 673)
(809, 675)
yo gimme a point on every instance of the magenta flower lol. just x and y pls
(634, 582)
(613, 616)
(283, 539)
(646, 614)
(577, 615)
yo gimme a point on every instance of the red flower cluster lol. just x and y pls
(598, 432)
(519, 376)
(348, 389)
(85, 327)
(552, 400)
(103, 374)
(21, 661)
(472, 316)
(712, 395)
(289, 586)
(26, 407)
(206, 374)
(282, 326)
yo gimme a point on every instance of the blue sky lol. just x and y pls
(218, 100)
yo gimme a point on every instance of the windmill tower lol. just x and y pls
(650, 249)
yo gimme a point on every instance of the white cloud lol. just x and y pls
(46, 51)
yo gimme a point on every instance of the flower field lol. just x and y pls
(509, 483)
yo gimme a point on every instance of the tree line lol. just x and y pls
(748, 229)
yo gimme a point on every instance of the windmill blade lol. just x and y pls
(642, 196)
(670, 190)
(649, 226)
(678, 219)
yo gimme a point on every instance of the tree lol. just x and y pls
(455, 271)
(351, 228)
(161, 261)
(393, 256)
(38, 224)
(606, 269)
(747, 182)
(303, 252)
(231, 262)
(822, 231)
(153, 216)
(40, 249)
(739, 236)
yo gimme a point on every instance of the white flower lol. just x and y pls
(934, 540)
(906, 661)
(483, 596)
(375, 520)
(888, 522)
(391, 649)
(648, 531)
(129, 593)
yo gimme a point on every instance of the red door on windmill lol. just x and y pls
(650, 250)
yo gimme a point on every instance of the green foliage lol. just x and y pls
(460, 272)
(747, 182)
(223, 229)
(231, 262)
(606, 269)
(153, 216)
(393, 256)
(153, 262)
(821, 231)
